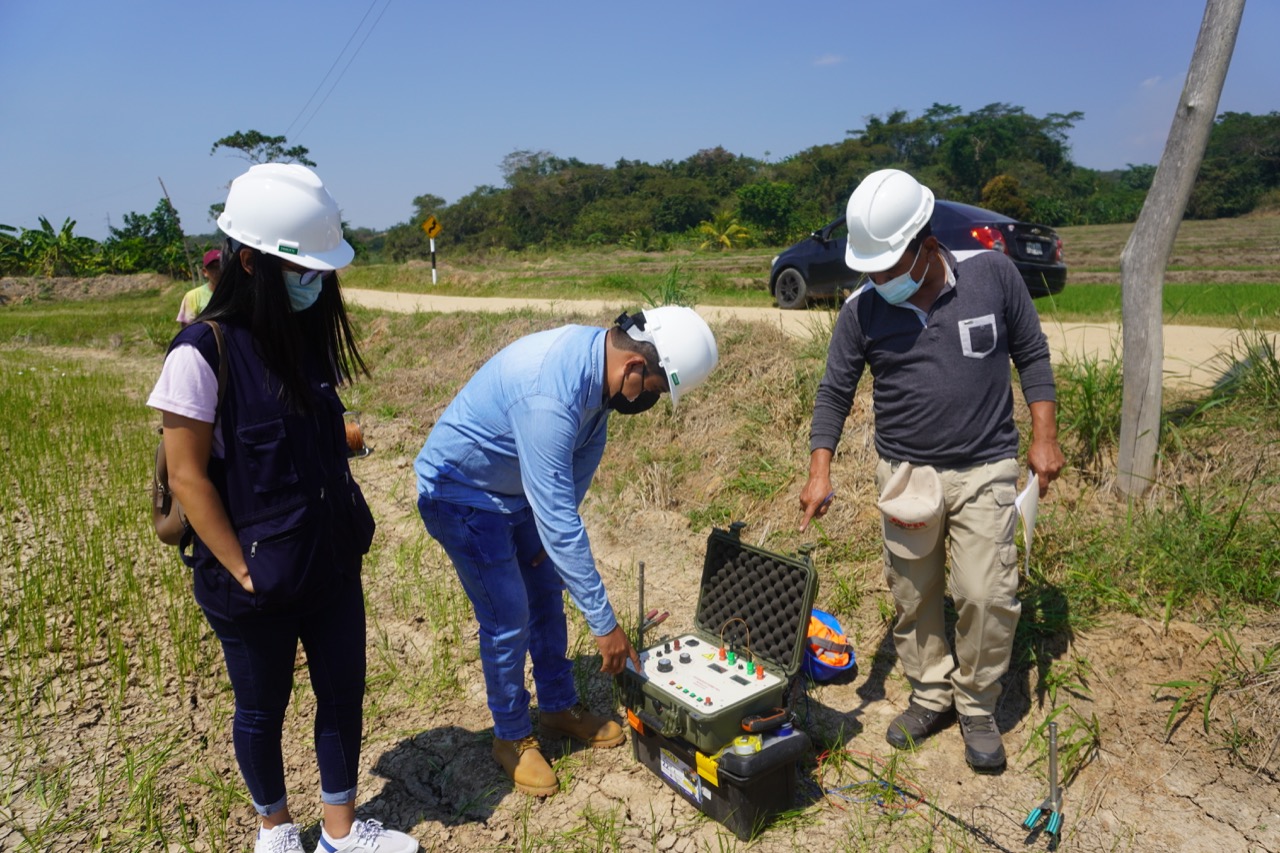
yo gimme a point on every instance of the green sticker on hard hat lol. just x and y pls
(288, 250)
(674, 377)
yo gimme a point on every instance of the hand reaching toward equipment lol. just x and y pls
(615, 650)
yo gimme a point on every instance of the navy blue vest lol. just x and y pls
(286, 485)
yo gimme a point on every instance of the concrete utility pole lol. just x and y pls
(1145, 256)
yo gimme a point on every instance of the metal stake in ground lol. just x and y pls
(640, 622)
(1052, 806)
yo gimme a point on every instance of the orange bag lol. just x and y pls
(828, 655)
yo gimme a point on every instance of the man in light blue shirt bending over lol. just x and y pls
(500, 480)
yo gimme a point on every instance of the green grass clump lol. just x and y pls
(1251, 372)
(1236, 698)
(1090, 402)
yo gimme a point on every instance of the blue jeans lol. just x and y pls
(260, 650)
(520, 608)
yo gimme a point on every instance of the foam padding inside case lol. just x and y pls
(771, 594)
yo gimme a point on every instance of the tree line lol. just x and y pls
(999, 157)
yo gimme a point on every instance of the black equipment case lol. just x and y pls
(754, 606)
(744, 793)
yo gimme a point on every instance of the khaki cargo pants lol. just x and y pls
(979, 524)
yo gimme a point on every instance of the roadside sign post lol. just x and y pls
(431, 226)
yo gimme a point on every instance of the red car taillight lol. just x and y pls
(990, 238)
(1057, 258)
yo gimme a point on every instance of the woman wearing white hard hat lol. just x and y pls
(259, 461)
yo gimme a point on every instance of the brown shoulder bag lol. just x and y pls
(166, 513)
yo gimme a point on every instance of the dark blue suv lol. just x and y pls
(815, 268)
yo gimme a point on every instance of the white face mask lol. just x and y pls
(900, 288)
(304, 287)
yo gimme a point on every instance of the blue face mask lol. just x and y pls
(304, 287)
(900, 288)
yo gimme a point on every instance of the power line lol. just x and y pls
(334, 65)
(343, 72)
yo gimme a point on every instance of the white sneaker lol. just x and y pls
(367, 835)
(279, 839)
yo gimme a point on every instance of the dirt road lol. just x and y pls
(1193, 354)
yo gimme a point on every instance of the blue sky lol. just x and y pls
(103, 97)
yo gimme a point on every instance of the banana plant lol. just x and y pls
(50, 253)
(11, 260)
(722, 232)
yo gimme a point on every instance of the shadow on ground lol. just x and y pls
(443, 776)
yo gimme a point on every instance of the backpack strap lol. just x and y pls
(222, 359)
(188, 533)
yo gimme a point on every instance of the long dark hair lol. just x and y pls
(290, 344)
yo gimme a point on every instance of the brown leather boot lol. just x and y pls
(524, 763)
(581, 724)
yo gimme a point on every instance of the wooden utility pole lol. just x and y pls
(186, 253)
(1145, 256)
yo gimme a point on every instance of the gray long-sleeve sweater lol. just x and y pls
(942, 391)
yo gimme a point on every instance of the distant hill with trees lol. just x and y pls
(999, 157)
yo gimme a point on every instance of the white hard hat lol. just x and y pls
(283, 209)
(886, 210)
(686, 348)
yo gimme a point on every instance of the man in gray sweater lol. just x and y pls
(939, 335)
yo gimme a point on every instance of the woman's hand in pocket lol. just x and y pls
(242, 577)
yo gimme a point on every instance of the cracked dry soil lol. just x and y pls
(1140, 791)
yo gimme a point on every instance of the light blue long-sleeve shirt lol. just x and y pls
(528, 430)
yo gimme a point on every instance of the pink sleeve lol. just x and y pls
(188, 387)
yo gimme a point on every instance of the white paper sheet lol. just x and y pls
(1028, 505)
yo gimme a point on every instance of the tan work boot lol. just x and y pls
(524, 763)
(581, 724)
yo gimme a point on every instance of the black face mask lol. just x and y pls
(643, 402)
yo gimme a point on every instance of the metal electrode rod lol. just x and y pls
(640, 615)
(1055, 795)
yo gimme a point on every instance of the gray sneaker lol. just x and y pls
(914, 725)
(983, 748)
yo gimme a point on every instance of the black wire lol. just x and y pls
(970, 827)
(345, 67)
(336, 60)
